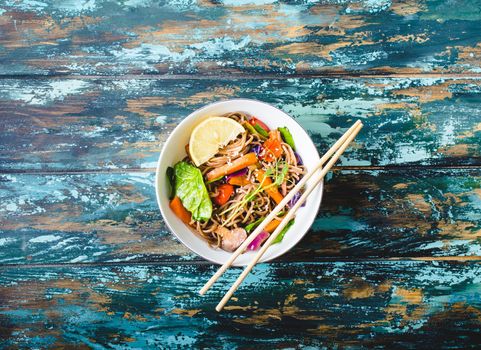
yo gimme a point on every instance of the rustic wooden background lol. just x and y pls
(89, 90)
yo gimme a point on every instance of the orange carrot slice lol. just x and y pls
(238, 164)
(266, 184)
(179, 210)
(238, 181)
(271, 226)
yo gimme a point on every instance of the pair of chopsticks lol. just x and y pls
(335, 151)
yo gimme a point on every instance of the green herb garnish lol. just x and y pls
(277, 174)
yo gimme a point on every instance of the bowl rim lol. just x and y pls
(263, 259)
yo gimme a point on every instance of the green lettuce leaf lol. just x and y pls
(190, 188)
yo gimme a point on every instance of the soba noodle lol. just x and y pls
(230, 215)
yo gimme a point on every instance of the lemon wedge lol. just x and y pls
(211, 135)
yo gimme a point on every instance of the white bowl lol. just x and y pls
(173, 151)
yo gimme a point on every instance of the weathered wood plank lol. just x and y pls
(364, 304)
(110, 37)
(114, 217)
(104, 124)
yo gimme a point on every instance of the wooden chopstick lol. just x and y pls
(287, 218)
(278, 208)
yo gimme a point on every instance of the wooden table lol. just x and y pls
(89, 90)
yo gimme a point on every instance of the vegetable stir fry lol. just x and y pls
(245, 171)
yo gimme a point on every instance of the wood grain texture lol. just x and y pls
(71, 124)
(255, 37)
(90, 90)
(114, 217)
(432, 305)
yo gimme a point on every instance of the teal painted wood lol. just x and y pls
(112, 274)
(59, 124)
(110, 37)
(114, 217)
(431, 305)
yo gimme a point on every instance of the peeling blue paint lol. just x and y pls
(56, 91)
(124, 129)
(302, 297)
(338, 223)
(45, 239)
(240, 32)
(121, 123)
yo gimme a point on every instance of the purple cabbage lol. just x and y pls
(237, 173)
(294, 200)
(257, 242)
(298, 158)
(257, 149)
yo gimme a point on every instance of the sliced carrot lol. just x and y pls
(266, 184)
(273, 150)
(239, 181)
(224, 192)
(238, 164)
(179, 210)
(272, 146)
(271, 226)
